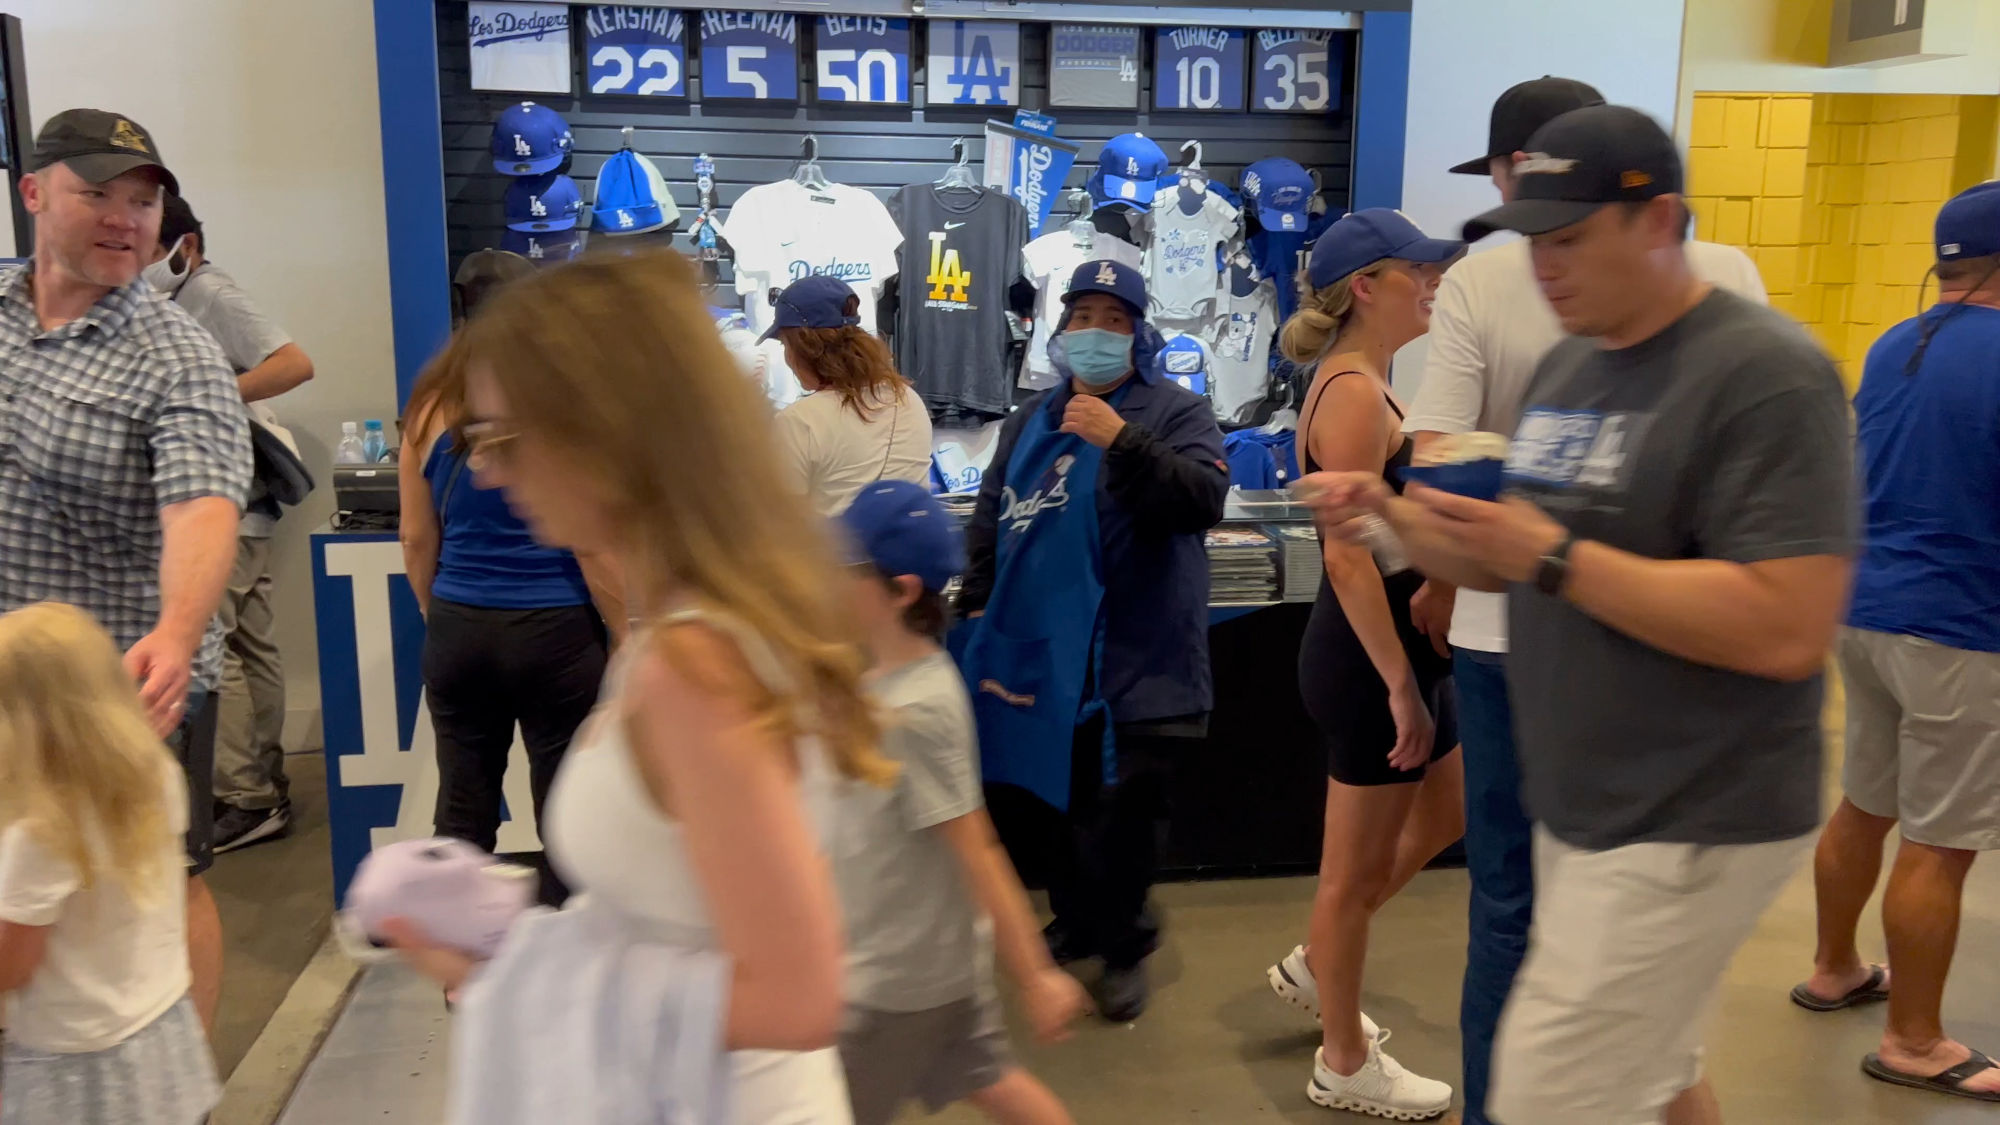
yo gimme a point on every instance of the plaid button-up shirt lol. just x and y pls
(104, 421)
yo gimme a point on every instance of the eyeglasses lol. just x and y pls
(486, 445)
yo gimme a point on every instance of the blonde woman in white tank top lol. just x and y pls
(688, 808)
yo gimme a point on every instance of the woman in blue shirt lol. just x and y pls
(516, 633)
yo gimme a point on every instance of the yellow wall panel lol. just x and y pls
(1780, 267)
(1914, 222)
(1939, 137)
(1779, 222)
(1846, 185)
(1865, 304)
(1875, 225)
(1836, 263)
(1706, 130)
(1853, 144)
(1788, 122)
(1726, 171)
(1741, 119)
(1877, 184)
(1785, 172)
(1732, 222)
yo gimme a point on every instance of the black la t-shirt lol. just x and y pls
(961, 255)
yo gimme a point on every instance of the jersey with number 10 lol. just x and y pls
(961, 254)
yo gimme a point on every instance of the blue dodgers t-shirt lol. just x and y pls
(1929, 449)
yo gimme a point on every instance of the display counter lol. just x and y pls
(1248, 798)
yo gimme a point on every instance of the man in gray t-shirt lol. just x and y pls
(250, 782)
(1676, 549)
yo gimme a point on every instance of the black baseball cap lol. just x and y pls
(1522, 110)
(1585, 159)
(99, 146)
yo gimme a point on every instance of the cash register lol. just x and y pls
(365, 497)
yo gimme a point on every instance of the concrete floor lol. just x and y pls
(1218, 1047)
(276, 900)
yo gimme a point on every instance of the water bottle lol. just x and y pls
(349, 451)
(374, 447)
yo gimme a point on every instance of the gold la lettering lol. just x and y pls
(948, 278)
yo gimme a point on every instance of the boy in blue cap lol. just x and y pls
(918, 864)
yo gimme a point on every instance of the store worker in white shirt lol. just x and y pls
(1490, 329)
(251, 790)
(860, 421)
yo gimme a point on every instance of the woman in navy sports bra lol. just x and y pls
(1375, 685)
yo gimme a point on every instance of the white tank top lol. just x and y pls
(607, 839)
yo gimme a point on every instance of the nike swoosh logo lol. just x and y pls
(953, 226)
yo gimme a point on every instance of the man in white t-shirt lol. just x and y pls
(1048, 263)
(785, 232)
(1490, 328)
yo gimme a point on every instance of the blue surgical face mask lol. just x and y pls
(1098, 356)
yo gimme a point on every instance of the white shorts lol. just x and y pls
(1923, 737)
(1625, 958)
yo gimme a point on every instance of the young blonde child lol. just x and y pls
(93, 892)
(919, 864)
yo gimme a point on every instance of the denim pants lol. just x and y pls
(1499, 852)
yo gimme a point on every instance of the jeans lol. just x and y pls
(1499, 852)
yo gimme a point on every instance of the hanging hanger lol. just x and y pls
(809, 174)
(1317, 206)
(1081, 230)
(1192, 173)
(959, 176)
(625, 137)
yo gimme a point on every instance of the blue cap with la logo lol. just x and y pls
(543, 203)
(632, 196)
(1107, 276)
(529, 140)
(1129, 171)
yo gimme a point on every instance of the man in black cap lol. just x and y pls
(1677, 550)
(127, 451)
(1489, 330)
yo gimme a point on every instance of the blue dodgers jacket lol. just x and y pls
(1160, 489)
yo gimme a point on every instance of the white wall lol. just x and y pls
(267, 113)
(1464, 53)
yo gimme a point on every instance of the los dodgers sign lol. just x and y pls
(863, 59)
(1198, 68)
(975, 62)
(751, 55)
(1092, 65)
(632, 50)
(1292, 71)
(518, 46)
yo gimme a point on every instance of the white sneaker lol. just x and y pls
(1381, 1088)
(1292, 979)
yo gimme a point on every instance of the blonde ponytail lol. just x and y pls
(1322, 316)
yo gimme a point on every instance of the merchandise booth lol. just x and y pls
(952, 160)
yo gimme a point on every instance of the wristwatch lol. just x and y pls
(1554, 569)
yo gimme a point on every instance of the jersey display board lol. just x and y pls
(1199, 68)
(519, 46)
(1094, 65)
(628, 49)
(961, 254)
(864, 59)
(1184, 263)
(974, 62)
(752, 55)
(1292, 72)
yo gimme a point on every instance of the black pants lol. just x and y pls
(486, 670)
(1099, 859)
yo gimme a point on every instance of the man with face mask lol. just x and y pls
(250, 783)
(124, 452)
(1088, 578)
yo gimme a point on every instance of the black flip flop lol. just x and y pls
(1869, 991)
(1951, 1082)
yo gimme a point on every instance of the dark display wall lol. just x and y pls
(880, 148)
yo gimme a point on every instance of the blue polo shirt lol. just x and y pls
(1929, 452)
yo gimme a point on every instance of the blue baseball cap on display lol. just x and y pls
(1281, 191)
(529, 139)
(632, 196)
(543, 249)
(899, 528)
(543, 203)
(1363, 238)
(815, 302)
(1969, 225)
(1107, 276)
(1184, 360)
(1128, 172)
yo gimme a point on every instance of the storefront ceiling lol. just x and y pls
(1286, 13)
